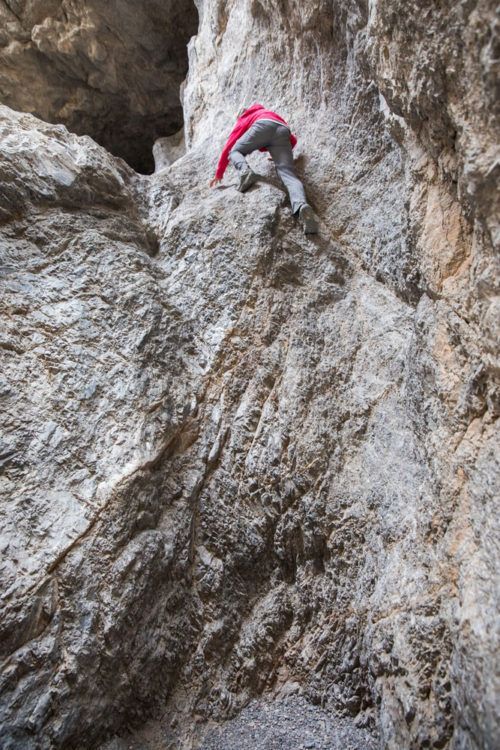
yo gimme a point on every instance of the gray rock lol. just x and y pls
(168, 150)
(295, 724)
(237, 461)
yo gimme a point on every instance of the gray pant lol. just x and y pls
(276, 138)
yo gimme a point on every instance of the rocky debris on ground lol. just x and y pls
(292, 723)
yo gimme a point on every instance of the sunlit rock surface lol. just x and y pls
(237, 460)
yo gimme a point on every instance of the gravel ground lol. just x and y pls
(291, 723)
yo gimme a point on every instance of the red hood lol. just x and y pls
(251, 110)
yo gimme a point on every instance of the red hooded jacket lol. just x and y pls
(243, 123)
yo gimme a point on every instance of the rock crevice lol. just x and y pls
(110, 70)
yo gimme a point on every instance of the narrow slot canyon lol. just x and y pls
(249, 476)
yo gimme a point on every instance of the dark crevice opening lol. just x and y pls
(120, 86)
(131, 135)
(132, 138)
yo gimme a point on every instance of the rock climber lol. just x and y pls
(259, 128)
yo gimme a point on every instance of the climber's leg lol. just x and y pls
(257, 136)
(238, 160)
(282, 154)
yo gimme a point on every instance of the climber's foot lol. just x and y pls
(247, 179)
(308, 219)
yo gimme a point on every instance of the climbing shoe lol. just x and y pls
(247, 179)
(308, 219)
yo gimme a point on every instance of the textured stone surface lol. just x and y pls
(279, 724)
(237, 460)
(110, 70)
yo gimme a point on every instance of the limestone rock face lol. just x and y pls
(235, 459)
(110, 70)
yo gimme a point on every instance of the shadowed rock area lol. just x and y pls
(239, 463)
(108, 69)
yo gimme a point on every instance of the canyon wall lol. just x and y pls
(236, 459)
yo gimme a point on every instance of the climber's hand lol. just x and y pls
(214, 182)
(269, 158)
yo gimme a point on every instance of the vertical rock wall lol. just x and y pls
(238, 459)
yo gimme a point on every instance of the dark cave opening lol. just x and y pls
(132, 136)
(118, 83)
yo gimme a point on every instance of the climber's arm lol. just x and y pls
(224, 157)
(221, 166)
(238, 130)
(224, 160)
